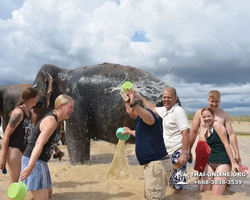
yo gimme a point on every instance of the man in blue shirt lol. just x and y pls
(150, 149)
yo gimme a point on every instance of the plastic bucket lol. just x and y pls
(121, 136)
(17, 191)
(126, 85)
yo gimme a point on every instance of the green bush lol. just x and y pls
(190, 116)
(239, 119)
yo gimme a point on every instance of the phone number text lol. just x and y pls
(218, 182)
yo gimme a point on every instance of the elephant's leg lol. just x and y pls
(78, 142)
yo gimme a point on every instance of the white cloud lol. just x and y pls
(188, 40)
(194, 96)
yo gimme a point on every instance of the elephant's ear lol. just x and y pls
(48, 78)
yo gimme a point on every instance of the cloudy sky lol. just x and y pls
(194, 45)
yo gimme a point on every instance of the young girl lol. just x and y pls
(221, 157)
(17, 133)
(44, 138)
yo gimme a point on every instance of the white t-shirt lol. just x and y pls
(174, 122)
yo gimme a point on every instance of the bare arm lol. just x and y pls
(221, 131)
(195, 127)
(15, 120)
(145, 115)
(182, 160)
(150, 106)
(129, 131)
(147, 103)
(185, 141)
(47, 127)
(233, 138)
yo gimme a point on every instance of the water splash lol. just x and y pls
(147, 88)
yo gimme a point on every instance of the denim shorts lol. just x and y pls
(39, 177)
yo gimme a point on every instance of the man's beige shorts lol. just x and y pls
(156, 178)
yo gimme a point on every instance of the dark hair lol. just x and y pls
(27, 94)
(207, 109)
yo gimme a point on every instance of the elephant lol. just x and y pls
(10, 95)
(98, 107)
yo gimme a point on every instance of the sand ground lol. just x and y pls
(88, 181)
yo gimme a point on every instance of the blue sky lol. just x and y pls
(193, 45)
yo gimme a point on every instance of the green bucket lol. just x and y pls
(17, 191)
(126, 85)
(121, 136)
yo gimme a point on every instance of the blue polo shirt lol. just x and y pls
(149, 141)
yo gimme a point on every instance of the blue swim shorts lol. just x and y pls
(179, 174)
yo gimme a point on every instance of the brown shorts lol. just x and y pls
(156, 178)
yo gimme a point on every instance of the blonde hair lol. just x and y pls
(171, 89)
(62, 99)
(214, 94)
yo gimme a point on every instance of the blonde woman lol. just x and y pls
(44, 138)
(17, 133)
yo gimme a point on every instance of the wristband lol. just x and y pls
(133, 104)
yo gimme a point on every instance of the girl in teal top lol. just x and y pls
(221, 159)
(218, 154)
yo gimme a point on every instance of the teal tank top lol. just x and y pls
(218, 153)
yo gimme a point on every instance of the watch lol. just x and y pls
(133, 104)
